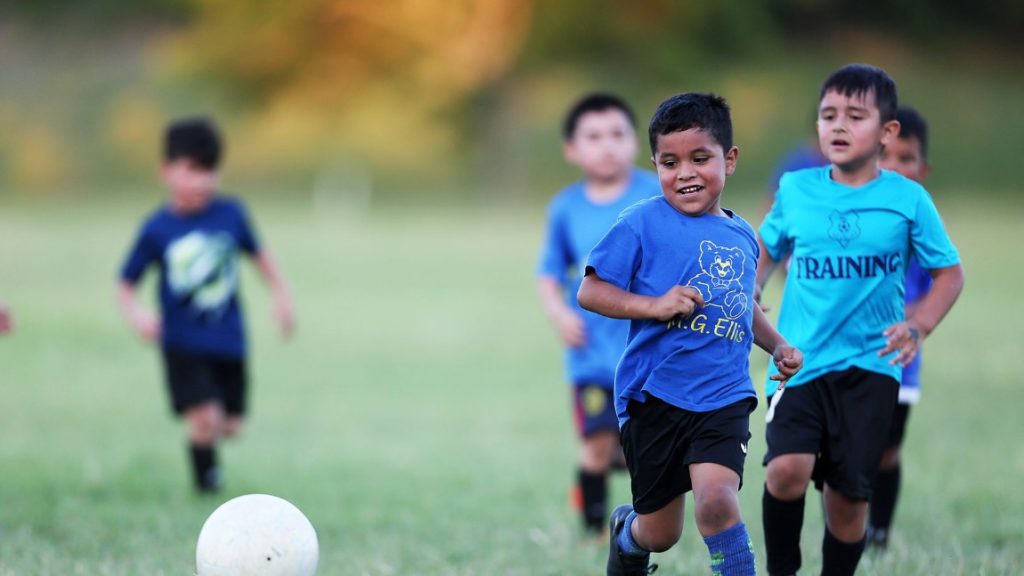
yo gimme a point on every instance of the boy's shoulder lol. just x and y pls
(803, 177)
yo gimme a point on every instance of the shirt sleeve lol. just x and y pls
(555, 257)
(143, 253)
(928, 238)
(248, 241)
(617, 257)
(773, 230)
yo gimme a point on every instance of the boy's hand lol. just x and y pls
(6, 323)
(147, 326)
(788, 361)
(284, 315)
(903, 337)
(571, 328)
(678, 301)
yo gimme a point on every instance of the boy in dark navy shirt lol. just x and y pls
(195, 239)
(681, 268)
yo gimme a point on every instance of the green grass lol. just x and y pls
(419, 418)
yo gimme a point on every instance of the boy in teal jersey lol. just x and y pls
(850, 229)
(680, 268)
(907, 155)
(600, 138)
(194, 240)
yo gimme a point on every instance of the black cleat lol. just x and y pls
(620, 564)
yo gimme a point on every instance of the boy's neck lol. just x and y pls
(856, 175)
(607, 191)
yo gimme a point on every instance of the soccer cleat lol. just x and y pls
(620, 564)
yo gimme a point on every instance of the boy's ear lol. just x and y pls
(569, 151)
(890, 130)
(926, 169)
(730, 160)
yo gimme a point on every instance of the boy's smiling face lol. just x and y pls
(692, 167)
(850, 130)
(191, 184)
(604, 145)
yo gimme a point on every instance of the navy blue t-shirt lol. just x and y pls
(699, 363)
(198, 259)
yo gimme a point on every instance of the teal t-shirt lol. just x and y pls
(849, 247)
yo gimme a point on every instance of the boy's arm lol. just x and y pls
(271, 274)
(788, 360)
(906, 336)
(765, 266)
(144, 322)
(609, 300)
(568, 323)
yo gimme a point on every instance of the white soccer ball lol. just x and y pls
(257, 535)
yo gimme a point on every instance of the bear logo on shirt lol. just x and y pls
(844, 227)
(719, 280)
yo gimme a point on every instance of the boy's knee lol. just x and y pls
(716, 510)
(787, 479)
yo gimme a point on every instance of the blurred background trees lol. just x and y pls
(461, 99)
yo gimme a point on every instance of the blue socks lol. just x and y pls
(626, 542)
(732, 552)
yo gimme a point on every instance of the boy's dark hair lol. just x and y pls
(861, 79)
(688, 110)
(913, 125)
(194, 138)
(594, 102)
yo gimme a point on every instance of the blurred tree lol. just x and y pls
(380, 75)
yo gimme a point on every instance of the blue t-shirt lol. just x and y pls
(699, 363)
(198, 259)
(574, 225)
(917, 285)
(849, 248)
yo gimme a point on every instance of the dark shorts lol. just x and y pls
(660, 442)
(196, 378)
(594, 409)
(899, 426)
(844, 419)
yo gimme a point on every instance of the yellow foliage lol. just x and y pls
(40, 158)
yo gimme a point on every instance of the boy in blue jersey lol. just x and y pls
(907, 155)
(600, 138)
(195, 239)
(850, 229)
(680, 267)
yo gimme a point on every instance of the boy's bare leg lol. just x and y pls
(596, 455)
(717, 510)
(232, 426)
(659, 531)
(205, 424)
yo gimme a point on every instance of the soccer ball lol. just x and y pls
(257, 535)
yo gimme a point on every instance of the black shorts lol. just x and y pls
(843, 418)
(594, 409)
(660, 441)
(195, 378)
(899, 426)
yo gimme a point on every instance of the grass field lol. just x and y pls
(419, 418)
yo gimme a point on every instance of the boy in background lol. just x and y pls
(194, 240)
(600, 139)
(680, 267)
(907, 155)
(850, 229)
